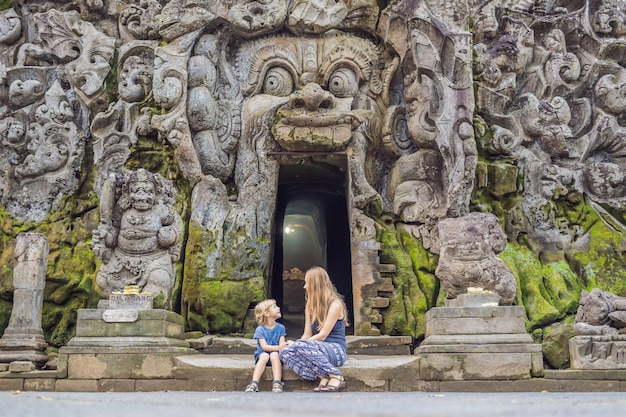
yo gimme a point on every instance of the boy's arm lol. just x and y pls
(282, 342)
(268, 348)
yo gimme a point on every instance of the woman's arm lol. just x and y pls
(307, 327)
(335, 312)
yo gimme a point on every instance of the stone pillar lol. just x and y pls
(23, 338)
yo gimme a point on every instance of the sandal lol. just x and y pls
(277, 386)
(253, 386)
(334, 388)
(323, 383)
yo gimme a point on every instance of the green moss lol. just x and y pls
(424, 264)
(548, 292)
(214, 304)
(221, 306)
(5, 313)
(601, 263)
(6, 4)
(407, 305)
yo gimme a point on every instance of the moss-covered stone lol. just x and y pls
(555, 344)
(548, 292)
(407, 305)
(214, 304)
(600, 261)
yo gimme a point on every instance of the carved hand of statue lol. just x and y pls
(103, 239)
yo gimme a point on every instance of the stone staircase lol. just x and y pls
(382, 363)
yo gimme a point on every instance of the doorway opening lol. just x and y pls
(312, 229)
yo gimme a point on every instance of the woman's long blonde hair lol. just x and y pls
(320, 293)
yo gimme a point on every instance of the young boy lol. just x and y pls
(270, 337)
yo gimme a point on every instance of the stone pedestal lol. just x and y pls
(23, 338)
(473, 338)
(598, 352)
(129, 341)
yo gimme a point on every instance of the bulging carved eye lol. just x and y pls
(278, 82)
(343, 83)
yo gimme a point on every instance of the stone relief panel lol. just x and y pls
(415, 105)
(50, 81)
(547, 86)
(599, 328)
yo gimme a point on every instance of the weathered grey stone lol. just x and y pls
(123, 361)
(21, 366)
(471, 365)
(598, 352)
(23, 338)
(555, 344)
(478, 343)
(160, 324)
(469, 246)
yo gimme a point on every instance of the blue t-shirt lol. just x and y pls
(271, 336)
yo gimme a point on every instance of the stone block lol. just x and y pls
(76, 385)
(120, 365)
(39, 384)
(21, 366)
(588, 386)
(598, 352)
(526, 385)
(62, 365)
(148, 385)
(503, 179)
(149, 323)
(475, 325)
(413, 385)
(473, 365)
(116, 385)
(11, 384)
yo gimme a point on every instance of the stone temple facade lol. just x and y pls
(209, 152)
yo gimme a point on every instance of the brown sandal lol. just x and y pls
(334, 388)
(323, 384)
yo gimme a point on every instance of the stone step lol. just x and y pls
(357, 345)
(219, 372)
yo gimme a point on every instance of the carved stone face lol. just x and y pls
(323, 89)
(12, 131)
(23, 93)
(50, 156)
(142, 195)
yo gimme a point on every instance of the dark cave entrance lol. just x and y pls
(312, 229)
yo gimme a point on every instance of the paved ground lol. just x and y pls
(350, 404)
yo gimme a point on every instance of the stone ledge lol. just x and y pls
(596, 374)
(357, 345)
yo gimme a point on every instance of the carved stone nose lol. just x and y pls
(312, 97)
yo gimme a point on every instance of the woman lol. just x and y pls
(322, 347)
